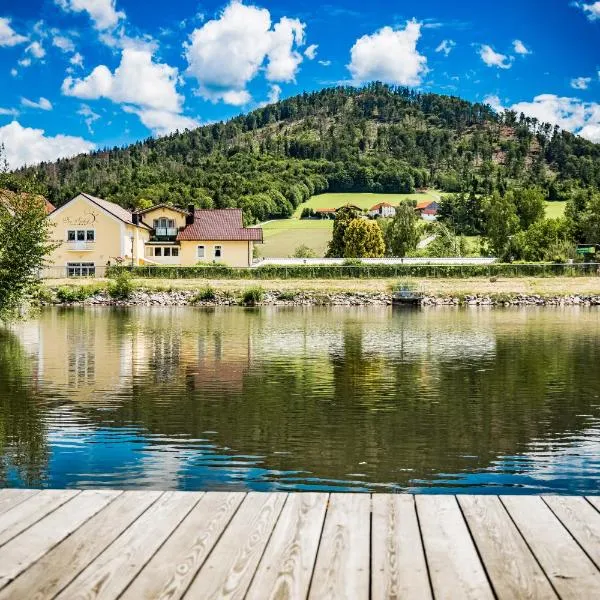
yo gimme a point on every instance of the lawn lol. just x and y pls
(364, 201)
(282, 237)
(555, 210)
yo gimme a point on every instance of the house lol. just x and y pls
(94, 232)
(325, 213)
(427, 209)
(383, 209)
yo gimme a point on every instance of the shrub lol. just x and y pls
(352, 262)
(43, 295)
(252, 296)
(122, 287)
(74, 293)
(205, 294)
(304, 251)
(287, 295)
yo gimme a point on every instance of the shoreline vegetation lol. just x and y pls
(556, 291)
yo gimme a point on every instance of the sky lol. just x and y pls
(79, 75)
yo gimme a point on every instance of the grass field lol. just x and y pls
(282, 237)
(364, 201)
(555, 210)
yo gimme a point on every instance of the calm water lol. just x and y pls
(324, 399)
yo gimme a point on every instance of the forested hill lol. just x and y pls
(373, 139)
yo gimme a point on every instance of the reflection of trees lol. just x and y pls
(23, 442)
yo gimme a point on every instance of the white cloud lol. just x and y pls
(25, 145)
(446, 46)
(25, 62)
(580, 83)
(325, 63)
(592, 10)
(162, 122)
(36, 50)
(274, 95)
(494, 59)
(64, 43)
(572, 114)
(89, 116)
(311, 52)
(520, 48)
(137, 80)
(495, 102)
(14, 72)
(76, 60)
(8, 36)
(42, 104)
(102, 12)
(389, 55)
(225, 54)
(9, 111)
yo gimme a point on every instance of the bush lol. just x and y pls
(74, 293)
(122, 287)
(287, 295)
(205, 294)
(303, 251)
(252, 296)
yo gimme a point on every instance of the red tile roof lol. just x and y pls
(424, 204)
(381, 205)
(49, 206)
(325, 210)
(219, 225)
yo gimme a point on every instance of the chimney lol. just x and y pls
(135, 218)
(189, 219)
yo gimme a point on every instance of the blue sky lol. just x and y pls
(83, 74)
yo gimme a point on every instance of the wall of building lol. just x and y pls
(234, 254)
(165, 212)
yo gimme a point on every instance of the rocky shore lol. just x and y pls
(307, 298)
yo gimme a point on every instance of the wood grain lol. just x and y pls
(172, 568)
(23, 550)
(10, 498)
(398, 562)
(512, 569)
(343, 560)
(571, 572)
(109, 574)
(287, 564)
(454, 566)
(49, 575)
(230, 567)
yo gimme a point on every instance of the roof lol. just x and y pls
(424, 204)
(114, 209)
(163, 205)
(429, 211)
(381, 205)
(325, 210)
(49, 206)
(8, 198)
(223, 224)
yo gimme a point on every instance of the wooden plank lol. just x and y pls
(10, 498)
(109, 574)
(229, 569)
(594, 501)
(581, 519)
(571, 572)
(399, 567)
(171, 570)
(287, 564)
(29, 546)
(49, 575)
(342, 567)
(28, 512)
(454, 566)
(511, 567)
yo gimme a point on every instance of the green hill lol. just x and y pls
(376, 139)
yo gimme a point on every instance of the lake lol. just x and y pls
(362, 399)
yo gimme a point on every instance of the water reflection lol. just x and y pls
(367, 399)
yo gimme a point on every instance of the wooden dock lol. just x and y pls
(156, 545)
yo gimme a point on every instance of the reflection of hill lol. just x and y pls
(392, 396)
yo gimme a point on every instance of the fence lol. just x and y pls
(360, 271)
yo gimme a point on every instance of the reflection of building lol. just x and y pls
(93, 233)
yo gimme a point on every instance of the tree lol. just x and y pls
(363, 239)
(337, 245)
(541, 240)
(501, 223)
(24, 244)
(529, 203)
(402, 232)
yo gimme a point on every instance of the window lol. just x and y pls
(71, 235)
(164, 223)
(174, 251)
(90, 235)
(218, 252)
(157, 251)
(81, 235)
(200, 251)
(84, 269)
(167, 252)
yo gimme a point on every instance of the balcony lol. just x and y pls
(80, 246)
(164, 233)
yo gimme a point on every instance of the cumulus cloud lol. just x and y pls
(8, 36)
(580, 83)
(494, 59)
(25, 145)
(446, 46)
(226, 53)
(103, 13)
(36, 50)
(520, 48)
(63, 43)
(591, 10)
(273, 96)
(76, 60)
(389, 55)
(311, 52)
(162, 122)
(89, 116)
(572, 114)
(41, 104)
